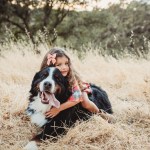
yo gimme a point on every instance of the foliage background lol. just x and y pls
(118, 30)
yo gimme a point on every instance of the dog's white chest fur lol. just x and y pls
(31, 146)
(36, 111)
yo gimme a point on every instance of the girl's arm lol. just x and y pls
(68, 104)
(54, 111)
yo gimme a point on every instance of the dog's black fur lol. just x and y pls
(68, 117)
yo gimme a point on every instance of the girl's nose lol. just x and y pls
(63, 66)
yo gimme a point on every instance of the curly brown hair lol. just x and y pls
(72, 76)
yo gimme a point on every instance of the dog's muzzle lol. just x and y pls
(47, 86)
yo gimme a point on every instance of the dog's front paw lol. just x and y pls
(31, 146)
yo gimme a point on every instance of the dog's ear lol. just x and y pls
(38, 77)
(34, 83)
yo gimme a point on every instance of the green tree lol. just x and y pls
(29, 16)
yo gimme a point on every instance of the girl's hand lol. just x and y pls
(52, 112)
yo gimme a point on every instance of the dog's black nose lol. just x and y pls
(47, 84)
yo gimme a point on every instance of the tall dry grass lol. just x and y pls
(127, 82)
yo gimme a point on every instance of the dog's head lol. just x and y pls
(48, 83)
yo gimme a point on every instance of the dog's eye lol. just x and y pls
(57, 77)
(45, 74)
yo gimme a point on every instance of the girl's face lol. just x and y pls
(62, 63)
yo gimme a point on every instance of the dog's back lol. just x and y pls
(100, 98)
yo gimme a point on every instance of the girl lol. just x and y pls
(56, 57)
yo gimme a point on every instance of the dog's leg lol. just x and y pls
(31, 146)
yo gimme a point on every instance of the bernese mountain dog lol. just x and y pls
(50, 89)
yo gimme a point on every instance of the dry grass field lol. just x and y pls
(127, 82)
